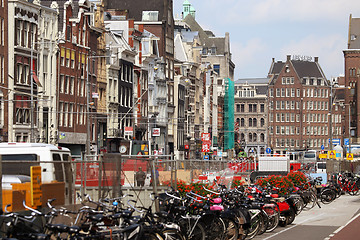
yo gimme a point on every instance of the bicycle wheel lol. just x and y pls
(353, 189)
(232, 229)
(311, 201)
(197, 232)
(216, 230)
(291, 217)
(254, 228)
(243, 231)
(171, 234)
(264, 222)
(327, 196)
(274, 218)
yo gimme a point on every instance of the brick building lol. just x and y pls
(352, 79)
(298, 100)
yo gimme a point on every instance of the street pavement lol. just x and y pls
(322, 223)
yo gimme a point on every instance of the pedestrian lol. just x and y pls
(140, 177)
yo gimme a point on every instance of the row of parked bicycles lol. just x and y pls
(222, 213)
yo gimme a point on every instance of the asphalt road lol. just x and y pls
(319, 223)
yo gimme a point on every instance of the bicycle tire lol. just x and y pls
(254, 227)
(198, 233)
(274, 220)
(327, 196)
(171, 234)
(264, 222)
(216, 230)
(312, 202)
(232, 229)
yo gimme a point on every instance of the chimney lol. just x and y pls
(316, 59)
(273, 59)
(288, 58)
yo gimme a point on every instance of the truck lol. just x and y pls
(274, 165)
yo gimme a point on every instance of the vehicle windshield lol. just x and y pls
(309, 155)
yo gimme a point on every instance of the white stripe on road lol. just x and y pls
(293, 226)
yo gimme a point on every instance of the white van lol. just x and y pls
(321, 167)
(18, 157)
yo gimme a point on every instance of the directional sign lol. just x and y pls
(346, 141)
(322, 147)
(268, 150)
(349, 156)
(336, 141)
(206, 157)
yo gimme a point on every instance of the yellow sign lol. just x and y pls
(332, 154)
(349, 156)
(324, 155)
(35, 190)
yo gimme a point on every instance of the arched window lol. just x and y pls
(242, 136)
(250, 137)
(254, 122)
(238, 121)
(254, 137)
(262, 137)
(262, 122)
(250, 122)
(242, 124)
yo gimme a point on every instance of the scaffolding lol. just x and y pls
(229, 114)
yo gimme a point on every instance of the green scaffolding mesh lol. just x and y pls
(229, 114)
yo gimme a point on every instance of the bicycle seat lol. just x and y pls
(58, 227)
(96, 217)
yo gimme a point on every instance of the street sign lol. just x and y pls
(205, 137)
(332, 154)
(156, 132)
(206, 157)
(349, 156)
(336, 141)
(322, 155)
(128, 131)
(268, 150)
(346, 141)
(219, 153)
(205, 147)
(322, 147)
(187, 146)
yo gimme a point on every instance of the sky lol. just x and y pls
(264, 29)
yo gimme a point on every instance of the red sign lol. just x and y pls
(205, 147)
(128, 131)
(205, 137)
(156, 132)
(187, 146)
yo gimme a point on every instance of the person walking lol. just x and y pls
(140, 177)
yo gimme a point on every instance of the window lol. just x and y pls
(283, 92)
(72, 59)
(250, 122)
(62, 57)
(271, 92)
(297, 92)
(242, 107)
(262, 122)
(254, 122)
(242, 122)
(278, 92)
(72, 82)
(217, 69)
(262, 107)
(67, 61)
(237, 107)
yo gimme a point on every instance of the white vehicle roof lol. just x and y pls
(32, 145)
